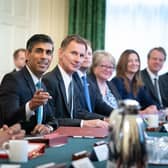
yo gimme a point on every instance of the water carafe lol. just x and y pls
(127, 147)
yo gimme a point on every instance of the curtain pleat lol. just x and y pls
(87, 18)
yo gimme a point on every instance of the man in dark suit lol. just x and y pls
(59, 80)
(98, 108)
(163, 82)
(19, 98)
(156, 58)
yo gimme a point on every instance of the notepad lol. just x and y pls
(52, 139)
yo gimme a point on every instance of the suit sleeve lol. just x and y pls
(10, 100)
(99, 108)
(55, 104)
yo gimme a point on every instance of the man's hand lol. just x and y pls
(149, 110)
(16, 132)
(40, 97)
(13, 132)
(95, 123)
(41, 129)
(107, 119)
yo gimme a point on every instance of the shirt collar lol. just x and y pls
(17, 69)
(65, 75)
(81, 74)
(151, 74)
(66, 78)
(34, 77)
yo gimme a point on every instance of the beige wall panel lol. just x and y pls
(19, 19)
(53, 20)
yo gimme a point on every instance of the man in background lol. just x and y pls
(150, 75)
(91, 106)
(19, 57)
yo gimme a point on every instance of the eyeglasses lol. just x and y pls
(107, 67)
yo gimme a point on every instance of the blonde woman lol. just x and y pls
(101, 70)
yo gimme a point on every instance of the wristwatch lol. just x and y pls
(50, 128)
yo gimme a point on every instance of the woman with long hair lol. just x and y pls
(129, 83)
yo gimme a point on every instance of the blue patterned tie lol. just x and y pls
(86, 93)
(40, 108)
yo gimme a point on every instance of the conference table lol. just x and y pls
(63, 154)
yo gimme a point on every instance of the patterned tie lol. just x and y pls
(70, 98)
(156, 86)
(40, 108)
(86, 93)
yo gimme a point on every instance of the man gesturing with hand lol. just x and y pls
(20, 98)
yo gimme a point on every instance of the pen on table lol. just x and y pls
(77, 137)
(46, 165)
(89, 137)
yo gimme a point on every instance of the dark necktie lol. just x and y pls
(40, 108)
(70, 98)
(86, 93)
(156, 86)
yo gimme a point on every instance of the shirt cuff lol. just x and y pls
(29, 112)
(81, 124)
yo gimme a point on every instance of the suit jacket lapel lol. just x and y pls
(29, 80)
(113, 89)
(62, 87)
(78, 80)
(150, 84)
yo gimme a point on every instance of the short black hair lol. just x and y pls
(38, 38)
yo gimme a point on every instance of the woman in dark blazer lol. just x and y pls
(128, 81)
(101, 70)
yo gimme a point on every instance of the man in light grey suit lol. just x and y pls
(156, 58)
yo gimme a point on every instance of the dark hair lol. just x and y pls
(39, 38)
(160, 49)
(73, 37)
(122, 68)
(15, 54)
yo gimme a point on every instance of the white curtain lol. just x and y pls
(136, 24)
